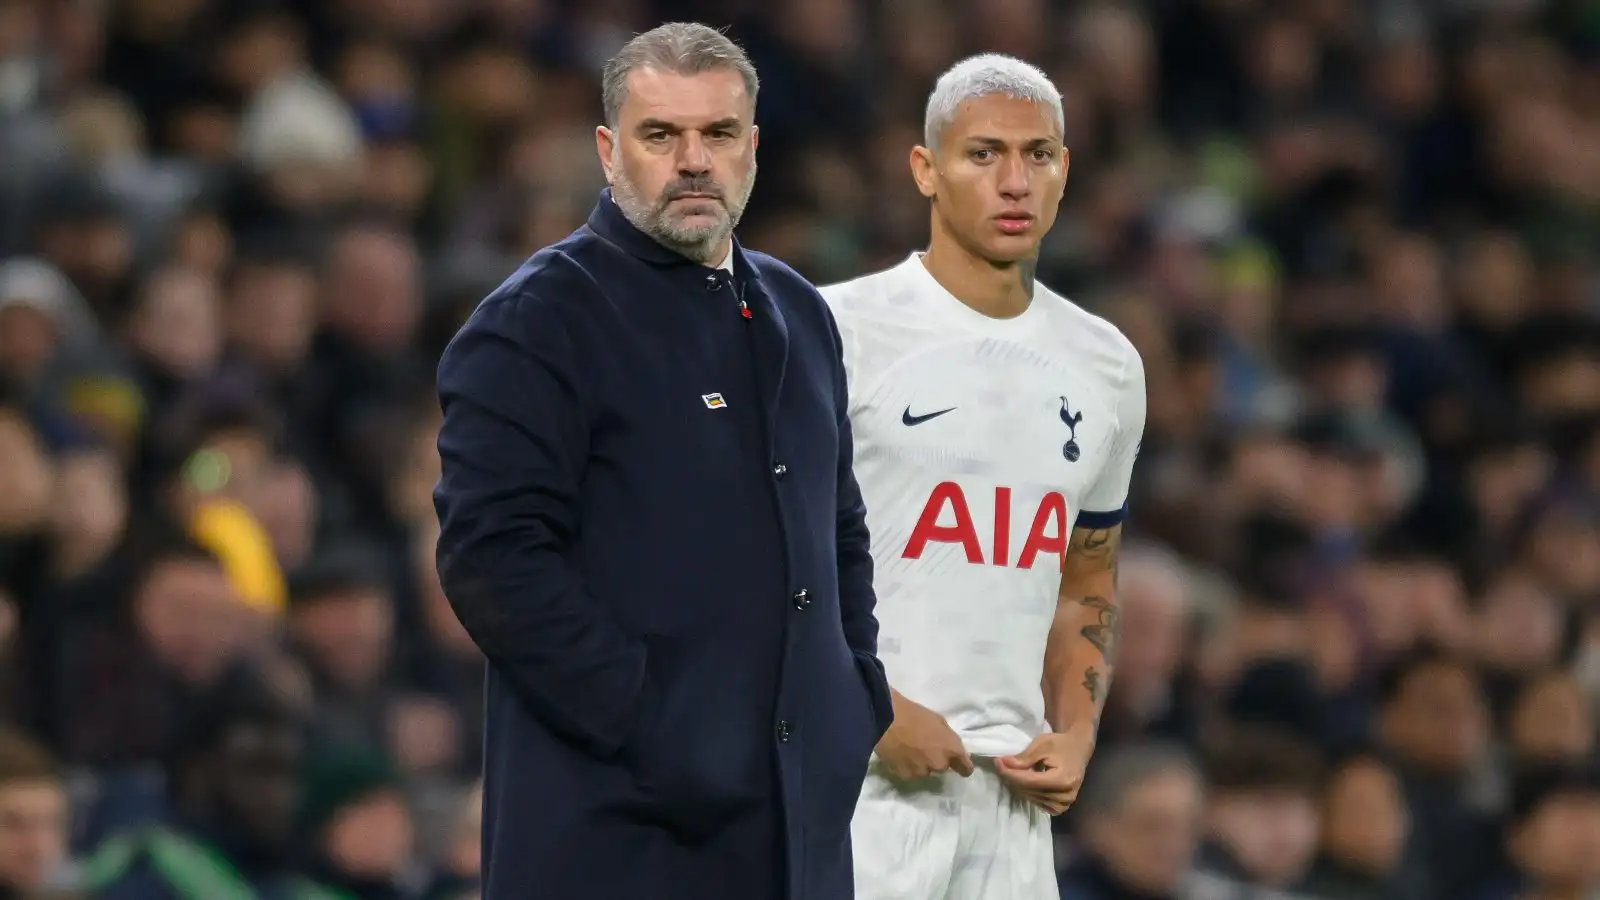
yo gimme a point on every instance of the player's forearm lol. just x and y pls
(1082, 646)
(1079, 659)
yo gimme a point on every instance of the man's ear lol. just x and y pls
(605, 145)
(924, 171)
(755, 136)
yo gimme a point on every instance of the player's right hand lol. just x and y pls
(921, 743)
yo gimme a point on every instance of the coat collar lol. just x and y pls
(607, 221)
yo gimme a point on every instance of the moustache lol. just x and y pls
(682, 189)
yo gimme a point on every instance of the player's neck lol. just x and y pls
(997, 291)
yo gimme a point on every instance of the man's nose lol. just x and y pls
(694, 158)
(1014, 178)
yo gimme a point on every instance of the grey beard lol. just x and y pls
(696, 243)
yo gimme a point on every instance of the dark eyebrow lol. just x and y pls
(731, 123)
(992, 143)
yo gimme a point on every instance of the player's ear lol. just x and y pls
(605, 144)
(1066, 166)
(924, 170)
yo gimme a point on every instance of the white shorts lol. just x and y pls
(950, 838)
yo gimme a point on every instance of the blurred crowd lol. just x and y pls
(1356, 242)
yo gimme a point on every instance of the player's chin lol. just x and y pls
(1006, 248)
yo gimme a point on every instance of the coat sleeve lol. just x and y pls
(857, 601)
(512, 448)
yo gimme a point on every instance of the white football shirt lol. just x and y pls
(979, 443)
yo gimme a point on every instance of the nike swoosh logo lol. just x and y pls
(906, 418)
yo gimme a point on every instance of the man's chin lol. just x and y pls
(1009, 250)
(688, 233)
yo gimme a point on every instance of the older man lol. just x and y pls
(650, 526)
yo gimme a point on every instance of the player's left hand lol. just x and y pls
(1050, 771)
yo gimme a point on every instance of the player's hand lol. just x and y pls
(921, 743)
(1050, 771)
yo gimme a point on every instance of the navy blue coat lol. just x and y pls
(650, 525)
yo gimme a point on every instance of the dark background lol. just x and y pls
(1354, 240)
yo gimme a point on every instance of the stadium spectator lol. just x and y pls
(1356, 244)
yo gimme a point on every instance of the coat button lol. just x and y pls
(779, 470)
(713, 283)
(802, 599)
(784, 731)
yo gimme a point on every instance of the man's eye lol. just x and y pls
(656, 137)
(982, 155)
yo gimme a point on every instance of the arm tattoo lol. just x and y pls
(1094, 684)
(1102, 633)
(1097, 546)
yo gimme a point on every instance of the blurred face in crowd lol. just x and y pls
(28, 340)
(491, 86)
(1266, 471)
(371, 294)
(371, 839)
(348, 635)
(207, 132)
(256, 774)
(26, 475)
(91, 507)
(272, 313)
(1438, 721)
(1410, 283)
(1332, 495)
(681, 157)
(1154, 623)
(177, 325)
(1271, 833)
(1407, 601)
(189, 615)
(996, 177)
(1365, 821)
(1495, 280)
(1564, 551)
(1518, 627)
(33, 832)
(203, 244)
(287, 508)
(1149, 840)
(1562, 385)
(1406, 77)
(1353, 381)
(234, 463)
(1559, 844)
(1552, 721)
(259, 51)
(1501, 483)
(95, 253)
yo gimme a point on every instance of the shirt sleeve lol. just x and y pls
(1106, 502)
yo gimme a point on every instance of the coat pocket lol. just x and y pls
(696, 752)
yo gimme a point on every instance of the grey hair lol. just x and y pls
(682, 48)
(1115, 775)
(982, 76)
